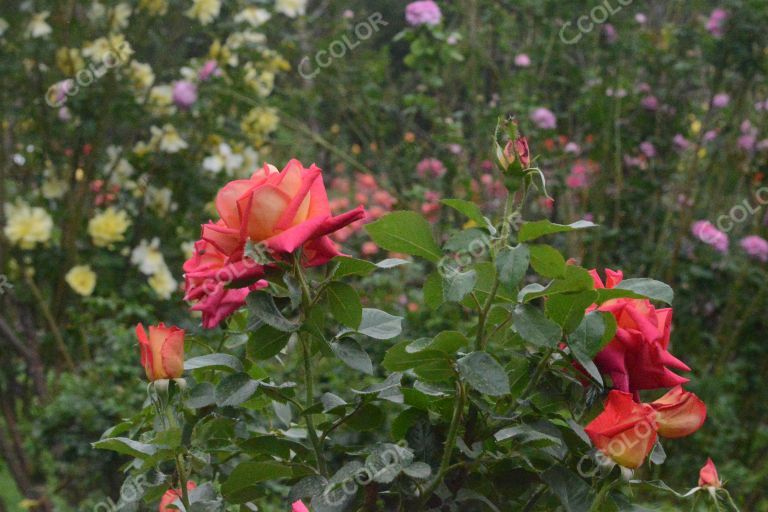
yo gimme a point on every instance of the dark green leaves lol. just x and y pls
(567, 309)
(472, 211)
(484, 373)
(512, 263)
(263, 309)
(244, 483)
(353, 355)
(214, 361)
(126, 447)
(589, 338)
(379, 324)
(547, 261)
(539, 228)
(235, 389)
(344, 303)
(574, 494)
(405, 232)
(534, 326)
(266, 342)
(654, 290)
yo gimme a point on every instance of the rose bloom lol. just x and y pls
(679, 413)
(184, 93)
(279, 212)
(298, 506)
(637, 357)
(172, 495)
(708, 476)
(720, 100)
(82, 279)
(162, 352)
(625, 430)
(755, 246)
(544, 118)
(716, 22)
(424, 12)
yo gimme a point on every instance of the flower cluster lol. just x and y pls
(637, 358)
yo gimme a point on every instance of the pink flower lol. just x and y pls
(720, 100)
(544, 118)
(423, 12)
(610, 34)
(430, 168)
(650, 102)
(710, 135)
(522, 60)
(681, 142)
(647, 149)
(369, 248)
(572, 148)
(710, 235)
(755, 246)
(184, 93)
(641, 18)
(716, 22)
(298, 506)
(210, 68)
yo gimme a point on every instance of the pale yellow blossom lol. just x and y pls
(205, 11)
(163, 283)
(108, 227)
(291, 8)
(259, 123)
(167, 139)
(82, 279)
(254, 16)
(26, 226)
(154, 7)
(37, 26)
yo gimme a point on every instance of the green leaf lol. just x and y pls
(392, 381)
(472, 211)
(433, 290)
(214, 361)
(368, 417)
(587, 340)
(126, 446)
(456, 285)
(353, 355)
(266, 342)
(512, 263)
(547, 261)
(654, 290)
(534, 326)
(398, 358)
(447, 341)
(380, 324)
(392, 263)
(244, 482)
(574, 494)
(405, 232)
(235, 389)
(576, 279)
(539, 228)
(484, 373)
(202, 395)
(352, 266)
(344, 303)
(262, 308)
(567, 309)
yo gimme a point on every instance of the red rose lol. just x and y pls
(625, 430)
(708, 476)
(637, 357)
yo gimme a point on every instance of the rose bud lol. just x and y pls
(162, 353)
(679, 413)
(516, 151)
(708, 475)
(172, 495)
(625, 431)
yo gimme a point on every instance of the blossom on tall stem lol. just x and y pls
(637, 357)
(708, 476)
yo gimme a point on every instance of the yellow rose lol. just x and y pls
(27, 226)
(82, 279)
(108, 227)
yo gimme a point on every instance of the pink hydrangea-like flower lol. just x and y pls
(756, 247)
(710, 235)
(720, 100)
(650, 102)
(544, 118)
(647, 149)
(423, 12)
(716, 22)
(681, 142)
(184, 93)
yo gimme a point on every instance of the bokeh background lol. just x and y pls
(120, 120)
